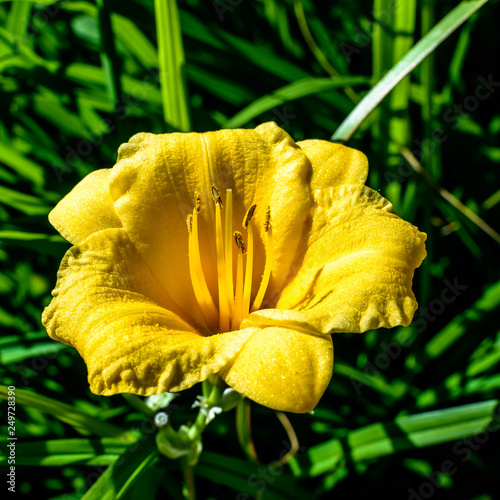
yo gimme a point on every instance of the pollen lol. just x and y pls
(234, 292)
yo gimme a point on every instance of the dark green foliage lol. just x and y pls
(410, 413)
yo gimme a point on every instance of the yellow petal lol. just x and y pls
(109, 306)
(334, 164)
(155, 181)
(88, 208)
(355, 268)
(282, 369)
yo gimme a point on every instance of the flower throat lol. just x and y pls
(234, 294)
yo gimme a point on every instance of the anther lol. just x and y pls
(238, 238)
(198, 281)
(224, 307)
(197, 202)
(248, 216)
(267, 223)
(216, 196)
(268, 265)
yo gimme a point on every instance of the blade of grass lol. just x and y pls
(244, 429)
(18, 19)
(399, 124)
(455, 329)
(413, 58)
(64, 412)
(426, 429)
(408, 432)
(19, 353)
(42, 243)
(109, 60)
(295, 90)
(432, 161)
(172, 66)
(23, 166)
(318, 54)
(59, 452)
(449, 197)
(89, 75)
(491, 201)
(30, 205)
(484, 359)
(238, 474)
(21, 55)
(276, 14)
(395, 390)
(119, 477)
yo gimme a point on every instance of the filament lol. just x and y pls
(221, 264)
(269, 260)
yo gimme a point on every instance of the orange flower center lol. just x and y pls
(234, 296)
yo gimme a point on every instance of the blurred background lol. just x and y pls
(79, 78)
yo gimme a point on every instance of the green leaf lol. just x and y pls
(30, 205)
(23, 166)
(92, 76)
(248, 477)
(109, 59)
(395, 390)
(456, 328)
(19, 353)
(296, 90)
(21, 55)
(404, 433)
(410, 61)
(42, 243)
(60, 452)
(18, 19)
(172, 66)
(64, 412)
(118, 478)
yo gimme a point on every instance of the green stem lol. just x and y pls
(244, 429)
(189, 490)
(201, 421)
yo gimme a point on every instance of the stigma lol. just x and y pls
(234, 291)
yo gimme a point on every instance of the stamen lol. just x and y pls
(221, 264)
(267, 223)
(234, 299)
(247, 292)
(229, 249)
(249, 215)
(238, 310)
(216, 196)
(200, 287)
(197, 202)
(238, 238)
(269, 261)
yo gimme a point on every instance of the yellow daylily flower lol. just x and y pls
(237, 253)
